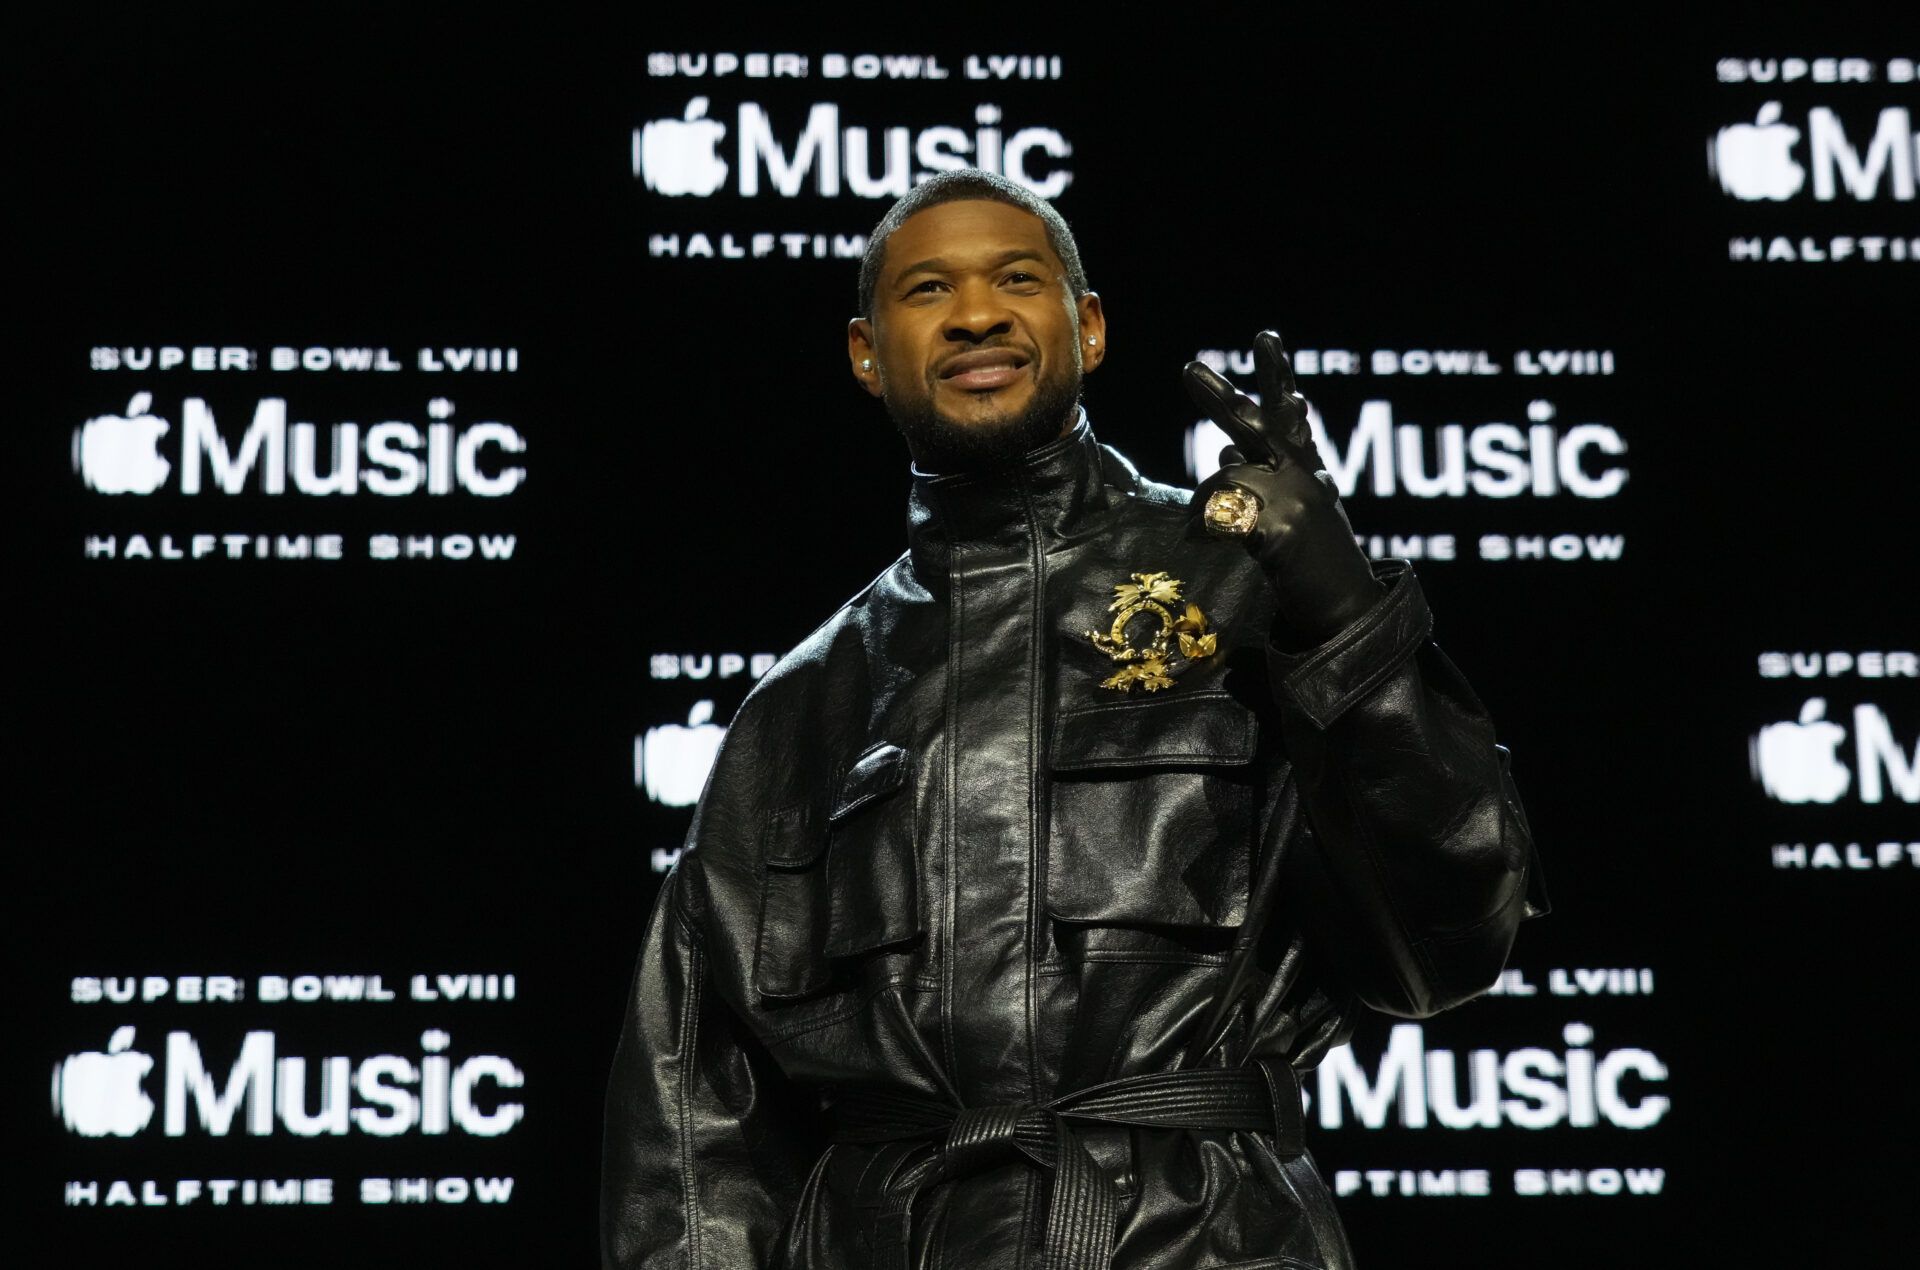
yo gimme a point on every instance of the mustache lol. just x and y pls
(1004, 344)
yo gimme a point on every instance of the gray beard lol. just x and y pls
(941, 445)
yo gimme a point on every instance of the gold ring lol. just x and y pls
(1231, 512)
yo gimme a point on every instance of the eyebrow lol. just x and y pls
(940, 264)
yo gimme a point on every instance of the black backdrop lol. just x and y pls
(280, 767)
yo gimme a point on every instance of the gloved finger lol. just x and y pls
(1231, 455)
(1272, 365)
(1281, 402)
(1236, 414)
(1289, 483)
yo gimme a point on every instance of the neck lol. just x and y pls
(933, 458)
(1035, 501)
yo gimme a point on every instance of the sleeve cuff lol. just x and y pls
(1323, 684)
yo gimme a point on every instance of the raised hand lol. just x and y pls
(1296, 528)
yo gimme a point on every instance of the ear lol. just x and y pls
(1093, 327)
(865, 362)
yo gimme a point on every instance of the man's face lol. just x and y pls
(976, 341)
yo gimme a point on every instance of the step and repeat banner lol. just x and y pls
(434, 428)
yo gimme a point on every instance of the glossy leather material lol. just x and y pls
(1300, 536)
(937, 860)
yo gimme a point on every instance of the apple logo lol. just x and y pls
(98, 1094)
(1795, 762)
(677, 156)
(1751, 160)
(672, 761)
(120, 454)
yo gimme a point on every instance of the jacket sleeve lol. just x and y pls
(705, 1146)
(1419, 863)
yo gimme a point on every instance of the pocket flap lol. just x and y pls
(1199, 730)
(873, 775)
(864, 896)
(793, 905)
(1153, 812)
(790, 841)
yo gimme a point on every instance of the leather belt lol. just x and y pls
(1263, 1097)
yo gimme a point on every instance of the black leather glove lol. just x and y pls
(1302, 538)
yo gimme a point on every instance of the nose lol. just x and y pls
(979, 311)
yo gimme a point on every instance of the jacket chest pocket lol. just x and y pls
(1153, 818)
(836, 893)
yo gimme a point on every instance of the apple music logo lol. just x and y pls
(1491, 460)
(1754, 162)
(98, 1093)
(679, 155)
(1798, 153)
(790, 151)
(1413, 1086)
(1798, 760)
(1795, 761)
(120, 453)
(1538, 456)
(671, 762)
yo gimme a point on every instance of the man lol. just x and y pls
(1024, 886)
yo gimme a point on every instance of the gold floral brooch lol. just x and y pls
(1153, 666)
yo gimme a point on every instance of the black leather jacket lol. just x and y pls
(938, 862)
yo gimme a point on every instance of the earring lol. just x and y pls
(866, 364)
(1091, 340)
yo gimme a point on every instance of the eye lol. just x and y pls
(1025, 281)
(928, 287)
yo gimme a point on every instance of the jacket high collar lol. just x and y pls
(1043, 498)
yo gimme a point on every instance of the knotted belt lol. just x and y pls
(1263, 1097)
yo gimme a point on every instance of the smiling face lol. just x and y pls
(976, 341)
